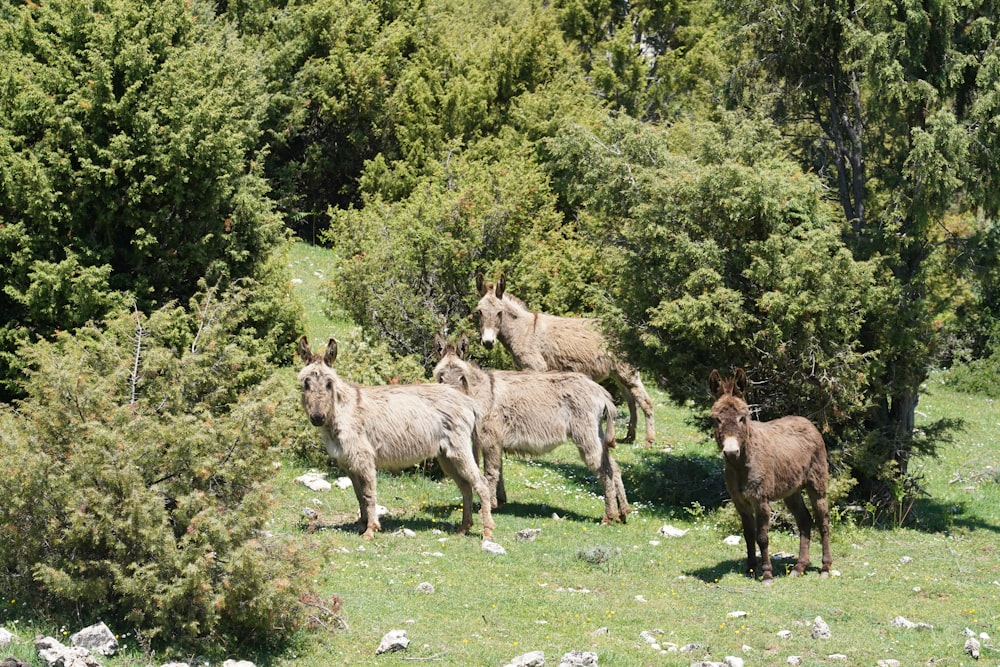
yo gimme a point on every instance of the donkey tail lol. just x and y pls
(609, 425)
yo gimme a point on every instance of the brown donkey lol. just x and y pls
(767, 461)
(531, 413)
(541, 342)
(392, 427)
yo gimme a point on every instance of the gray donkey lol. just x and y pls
(541, 342)
(531, 413)
(768, 461)
(392, 427)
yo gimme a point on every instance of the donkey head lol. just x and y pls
(452, 369)
(730, 413)
(318, 380)
(490, 309)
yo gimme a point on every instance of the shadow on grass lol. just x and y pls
(781, 568)
(666, 484)
(676, 485)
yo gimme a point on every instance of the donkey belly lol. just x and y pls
(539, 439)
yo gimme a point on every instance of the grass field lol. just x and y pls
(583, 586)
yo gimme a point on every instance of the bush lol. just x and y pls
(135, 478)
(129, 163)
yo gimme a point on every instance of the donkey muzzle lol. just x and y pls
(488, 339)
(317, 418)
(731, 447)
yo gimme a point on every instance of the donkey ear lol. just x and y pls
(330, 355)
(740, 383)
(480, 283)
(463, 345)
(501, 286)
(715, 384)
(305, 352)
(440, 345)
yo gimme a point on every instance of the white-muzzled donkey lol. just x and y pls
(392, 427)
(531, 413)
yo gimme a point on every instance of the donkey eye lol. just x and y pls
(329, 385)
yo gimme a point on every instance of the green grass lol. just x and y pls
(555, 595)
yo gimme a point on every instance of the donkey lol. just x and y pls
(767, 461)
(392, 427)
(541, 342)
(531, 413)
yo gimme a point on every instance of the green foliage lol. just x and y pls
(894, 105)
(136, 478)
(127, 165)
(392, 83)
(409, 266)
(728, 257)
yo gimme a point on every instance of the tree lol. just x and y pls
(135, 478)
(127, 165)
(895, 105)
(727, 256)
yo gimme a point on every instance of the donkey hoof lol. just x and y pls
(767, 580)
(825, 574)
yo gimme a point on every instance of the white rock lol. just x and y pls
(785, 634)
(670, 531)
(394, 640)
(972, 647)
(314, 481)
(310, 513)
(238, 663)
(578, 659)
(889, 662)
(425, 587)
(493, 548)
(7, 637)
(96, 638)
(820, 629)
(794, 660)
(533, 659)
(836, 656)
(650, 636)
(900, 622)
(733, 661)
(736, 614)
(53, 652)
(904, 560)
(733, 540)
(528, 534)
(343, 483)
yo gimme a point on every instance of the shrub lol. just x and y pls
(135, 477)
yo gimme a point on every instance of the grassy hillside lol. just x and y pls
(583, 586)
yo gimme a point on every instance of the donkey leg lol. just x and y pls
(646, 404)
(468, 478)
(597, 459)
(635, 394)
(803, 521)
(364, 489)
(821, 511)
(763, 513)
(745, 510)
(621, 507)
(499, 490)
(493, 470)
(633, 415)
